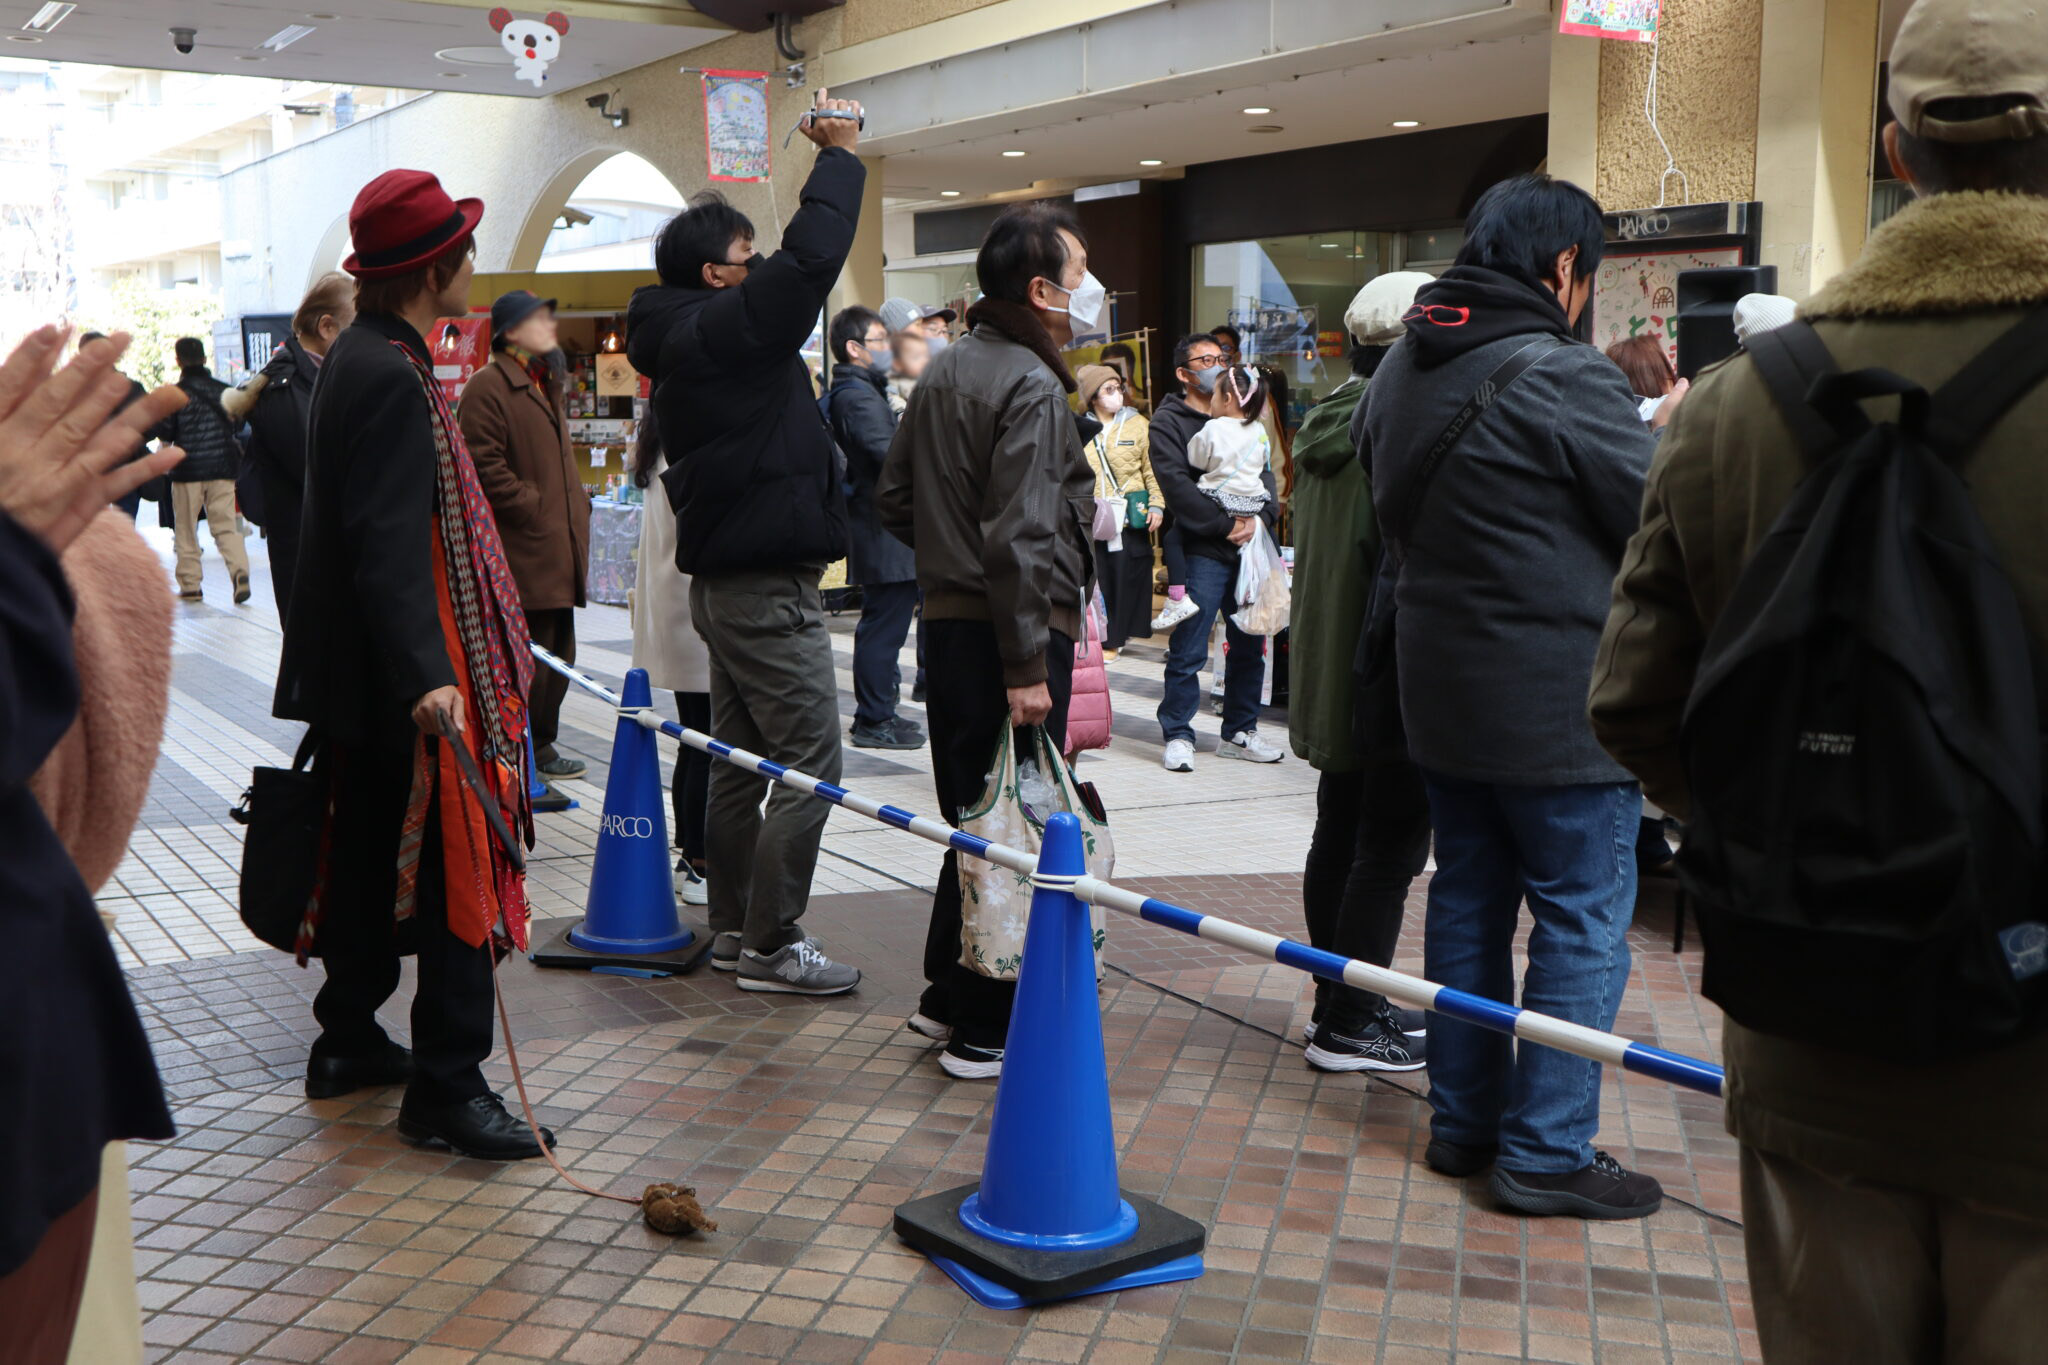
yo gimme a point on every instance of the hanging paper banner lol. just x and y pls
(461, 347)
(736, 124)
(1630, 21)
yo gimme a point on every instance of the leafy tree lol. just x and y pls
(157, 318)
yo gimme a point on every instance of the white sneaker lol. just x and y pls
(925, 1026)
(691, 888)
(964, 1063)
(1179, 756)
(1176, 610)
(1250, 747)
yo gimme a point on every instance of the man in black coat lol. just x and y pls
(204, 484)
(755, 487)
(1210, 539)
(277, 456)
(882, 566)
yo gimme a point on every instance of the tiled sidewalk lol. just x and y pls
(277, 1228)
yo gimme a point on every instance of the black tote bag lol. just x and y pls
(282, 811)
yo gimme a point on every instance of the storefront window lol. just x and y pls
(1287, 295)
(951, 285)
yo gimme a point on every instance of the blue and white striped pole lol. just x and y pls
(1576, 1039)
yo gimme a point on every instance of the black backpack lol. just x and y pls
(1863, 739)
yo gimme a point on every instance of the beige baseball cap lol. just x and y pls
(1971, 49)
(1374, 317)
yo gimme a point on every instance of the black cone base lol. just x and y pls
(932, 1225)
(557, 951)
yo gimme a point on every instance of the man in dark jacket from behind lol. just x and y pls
(755, 489)
(881, 565)
(988, 483)
(204, 484)
(1210, 539)
(277, 422)
(1501, 595)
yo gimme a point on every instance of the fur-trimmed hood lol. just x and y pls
(1947, 253)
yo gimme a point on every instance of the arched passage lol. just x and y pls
(619, 200)
(332, 251)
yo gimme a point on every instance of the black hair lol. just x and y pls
(850, 325)
(1520, 225)
(1185, 347)
(85, 338)
(1365, 360)
(700, 235)
(646, 454)
(1236, 337)
(1023, 244)
(2005, 164)
(1243, 379)
(191, 353)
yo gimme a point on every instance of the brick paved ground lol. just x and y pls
(277, 1228)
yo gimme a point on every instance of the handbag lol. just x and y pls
(995, 903)
(1376, 721)
(1138, 510)
(283, 810)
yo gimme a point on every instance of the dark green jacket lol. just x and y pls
(1336, 544)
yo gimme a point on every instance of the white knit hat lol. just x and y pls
(1756, 314)
(1374, 317)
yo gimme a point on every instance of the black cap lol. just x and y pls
(514, 308)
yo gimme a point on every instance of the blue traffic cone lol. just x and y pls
(630, 922)
(544, 799)
(1047, 1220)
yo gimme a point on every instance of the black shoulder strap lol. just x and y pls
(1489, 391)
(1792, 359)
(1969, 405)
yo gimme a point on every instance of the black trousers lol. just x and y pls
(1176, 558)
(1371, 841)
(283, 509)
(885, 612)
(690, 793)
(966, 705)
(555, 631)
(360, 943)
(1126, 579)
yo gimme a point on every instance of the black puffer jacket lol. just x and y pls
(202, 431)
(751, 473)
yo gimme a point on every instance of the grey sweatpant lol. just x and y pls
(773, 693)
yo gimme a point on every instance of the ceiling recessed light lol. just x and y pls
(949, 194)
(1265, 128)
(248, 57)
(451, 75)
(1407, 123)
(49, 16)
(1151, 161)
(1257, 109)
(23, 38)
(285, 37)
(323, 17)
(1329, 246)
(1013, 154)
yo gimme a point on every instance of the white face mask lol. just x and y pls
(1111, 403)
(1084, 302)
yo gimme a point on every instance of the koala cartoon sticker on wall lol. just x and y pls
(533, 43)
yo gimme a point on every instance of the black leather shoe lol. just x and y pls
(1455, 1159)
(328, 1077)
(480, 1127)
(1604, 1189)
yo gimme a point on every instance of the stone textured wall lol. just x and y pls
(1707, 68)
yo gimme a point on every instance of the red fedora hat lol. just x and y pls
(403, 221)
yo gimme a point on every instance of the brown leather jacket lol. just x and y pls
(987, 482)
(520, 444)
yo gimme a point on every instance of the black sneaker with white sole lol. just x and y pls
(1414, 1023)
(1379, 1046)
(1601, 1190)
(1457, 1159)
(965, 1062)
(924, 1026)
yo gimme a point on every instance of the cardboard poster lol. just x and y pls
(736, 124)
(1636, 292)
(461, 347)
(1629, 21)
(616, 377)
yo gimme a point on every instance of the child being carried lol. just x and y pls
(1232, 449)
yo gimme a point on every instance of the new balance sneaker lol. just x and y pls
(1176, 610)
(1456, 1159)
(692, 889)
(924, 1026)
(1179, 756)
(725, 952)
(1247, 745)
(967, 1063)
(1379, 1046)
(1601, 1190)
(797, 969)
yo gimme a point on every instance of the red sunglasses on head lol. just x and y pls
(1438, 315)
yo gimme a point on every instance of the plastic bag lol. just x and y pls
(995, 903)
(1265, 595)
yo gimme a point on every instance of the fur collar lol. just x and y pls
(1022, 326)
(1947, 253)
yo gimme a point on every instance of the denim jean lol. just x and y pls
(1210, 586)
(1572, 852)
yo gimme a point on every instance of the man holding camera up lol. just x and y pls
(760, 514)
